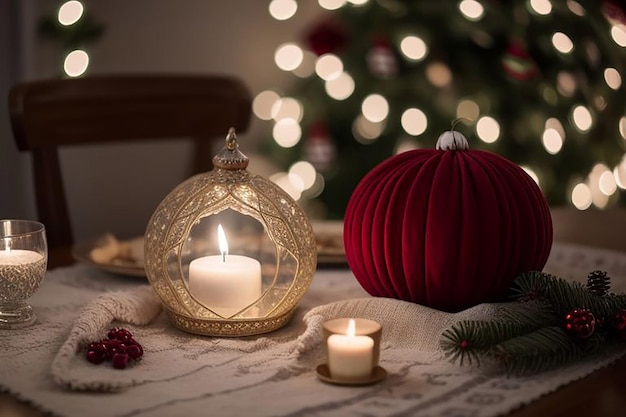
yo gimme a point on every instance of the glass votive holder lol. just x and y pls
(352, 347)
(23, 262)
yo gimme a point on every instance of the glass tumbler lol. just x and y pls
(23, 261)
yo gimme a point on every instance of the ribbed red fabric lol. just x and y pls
(446, 229)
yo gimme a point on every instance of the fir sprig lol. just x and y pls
(528, 336)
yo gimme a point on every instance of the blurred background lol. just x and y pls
(338, 87)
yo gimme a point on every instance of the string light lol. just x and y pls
(328, 67)
(565, 83)
(76, 63)
(375, 108)
(597, 187)
(282, 9)
(414, 121)
(413, 48)
(331, 4)
(307, 65)
(287, 133)
(575, 8)
(287, 108)
(552, 141)
(582, 118)
(288, 183)
(306, 172)
(581, 196)
(288, 56)
(70, 12)
(471, 9)
(612, 78)
(541, 7)
(366, 131)
(488, 129)
(562, 43)
(467, 110)
(341, 87)
(618, 33)
(438, 74)
(263, 103)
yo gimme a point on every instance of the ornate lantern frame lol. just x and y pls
(290, 252)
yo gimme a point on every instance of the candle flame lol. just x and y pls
(221, 238)
(351, 328)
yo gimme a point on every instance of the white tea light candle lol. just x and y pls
(350, 356)
(224, 283)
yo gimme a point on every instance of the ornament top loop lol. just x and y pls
(452, 140)
(230, 157)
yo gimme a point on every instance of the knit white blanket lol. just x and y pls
(270, 375)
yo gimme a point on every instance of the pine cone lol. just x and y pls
(598, 283)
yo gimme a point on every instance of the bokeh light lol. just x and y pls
(541, 7)
(581, 196)
(70, 12)
(282, 9)
(263, 102)
(488, 129)
(471, 9)
(328, 67)
(287, 132)
(287, 108)
(375, 108)
(582, 118)
(76, 63)
(413, 48)
(414, 121)
(288, 56)
(341, 87)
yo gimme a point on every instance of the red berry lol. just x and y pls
(118, 347)
(120, 360)
(123, 335)
(95, 357)
(134, 351)
(580, 323)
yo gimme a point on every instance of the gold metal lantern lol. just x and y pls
(229, 253)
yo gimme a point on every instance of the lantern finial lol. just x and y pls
(230, 157)
(451, 140)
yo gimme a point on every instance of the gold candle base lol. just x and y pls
(378, 374)
(226, 327)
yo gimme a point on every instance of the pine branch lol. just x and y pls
(544, 349)
(529, 337)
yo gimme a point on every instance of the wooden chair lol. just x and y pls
(49, 114)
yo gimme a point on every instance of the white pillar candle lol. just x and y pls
(350, 356)
(226, 284)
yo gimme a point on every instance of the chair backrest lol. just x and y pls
(49, 114)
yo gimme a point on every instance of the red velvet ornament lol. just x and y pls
(448, 228)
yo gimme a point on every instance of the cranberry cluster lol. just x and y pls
(118, 347)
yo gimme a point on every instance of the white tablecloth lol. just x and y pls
(273, 375)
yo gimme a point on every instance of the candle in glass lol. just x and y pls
(350, 356)
(23, 260)
(225, 283)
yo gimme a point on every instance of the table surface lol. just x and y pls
(599, 394)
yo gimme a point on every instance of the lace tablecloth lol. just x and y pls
(274, 374)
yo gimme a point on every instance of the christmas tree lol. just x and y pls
(536, 81)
